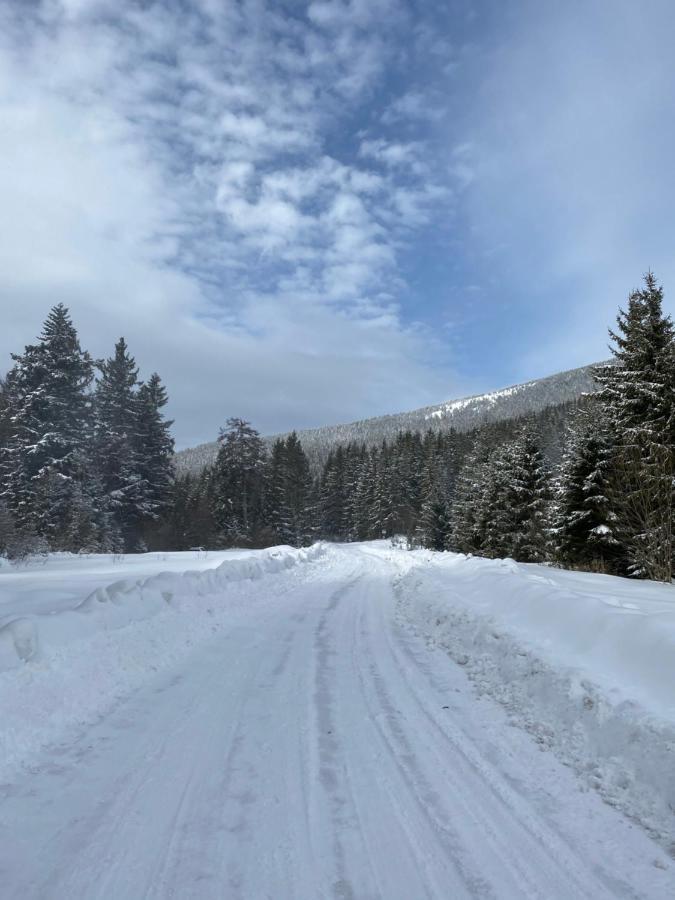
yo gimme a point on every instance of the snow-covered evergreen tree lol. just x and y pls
(154, 447)
(288, 492)
(584, 524)
(363, 503)
(638, 394)
(433, 520)
(383, 518)
(116, 444)
(238, 482)
(6, 429)
(47, 466)
(516, 500)
(433, 530)
(273, 487)
(333, 508)
(469, 515)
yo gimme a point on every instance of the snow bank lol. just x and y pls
(60, 580)
(585, 662)
(63, 669)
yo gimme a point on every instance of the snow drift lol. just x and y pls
(586, 663)
(63, 669)
(123, 602)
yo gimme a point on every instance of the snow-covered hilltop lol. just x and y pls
(461, 414)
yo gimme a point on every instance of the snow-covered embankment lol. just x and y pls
(586, 663)
(64, 669)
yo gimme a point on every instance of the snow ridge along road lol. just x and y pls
(311, 747)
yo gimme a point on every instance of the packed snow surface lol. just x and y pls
(335, 722)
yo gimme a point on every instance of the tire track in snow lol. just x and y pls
(402, 776)
(330, 766)
(544, 860)
(414, 658)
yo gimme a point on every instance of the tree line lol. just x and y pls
(85, 450)
(585, 485)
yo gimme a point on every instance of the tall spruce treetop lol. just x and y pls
(116, 443)
(639, 395)
(154, 445)
(49, 404)
(638, 392)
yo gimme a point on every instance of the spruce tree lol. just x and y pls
(274, 488)
(433, 522)
(295, 519)
(433, 530)
(364, 498)
(288, 492)
(383, 517)
(470, 514)
(239, 482)
(516, 500)
(639, 395)
(6, 429)
(583, 521)
(333, 507)
(154, 448)
(47, 461)
(116, 443)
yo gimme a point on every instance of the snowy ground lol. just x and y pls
(338, 723)
(62, 580)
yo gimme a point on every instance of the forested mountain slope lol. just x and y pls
(462, 414)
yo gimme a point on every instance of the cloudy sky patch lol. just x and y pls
(309, 213)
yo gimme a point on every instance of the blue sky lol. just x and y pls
(306, 213)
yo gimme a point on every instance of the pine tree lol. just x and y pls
(6, 429)
(239, 482)
(116, 443)
(583, 521)
(383, 519)
(639, 396)
(297, 483)
(433, 530)
(516, 498)
(364, 498)
(287, 499)
(333, 509)
(433, 525)
(470, 514)
(154, 448)
(47, 461)
(274, 488)
(405, 484)
(189, 521)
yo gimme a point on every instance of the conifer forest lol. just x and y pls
(87, 465)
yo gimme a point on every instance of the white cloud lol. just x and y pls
(395, 154)
(414, 106)
(166, 173)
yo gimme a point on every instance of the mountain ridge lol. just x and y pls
(462, 414)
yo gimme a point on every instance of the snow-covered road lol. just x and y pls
(314, 748)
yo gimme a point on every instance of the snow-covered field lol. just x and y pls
(334, 722)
